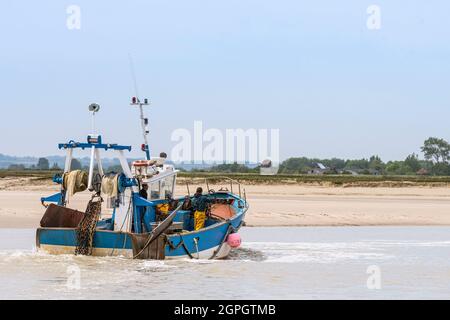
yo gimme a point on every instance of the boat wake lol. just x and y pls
(265, 252)
(246, 254)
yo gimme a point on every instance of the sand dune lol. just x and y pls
(273, 205)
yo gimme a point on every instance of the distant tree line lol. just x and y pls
(229, 168)
(436, 161)
(374, 165)
(44, 164)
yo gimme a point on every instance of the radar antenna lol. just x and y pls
(94, 108)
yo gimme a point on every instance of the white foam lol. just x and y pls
(276, 252)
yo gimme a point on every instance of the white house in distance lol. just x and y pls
(318, 168)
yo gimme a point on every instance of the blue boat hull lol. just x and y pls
(206, 243)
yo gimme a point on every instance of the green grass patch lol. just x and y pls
(39, 174)
(319, 179)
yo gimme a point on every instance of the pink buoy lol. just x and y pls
(234, 240)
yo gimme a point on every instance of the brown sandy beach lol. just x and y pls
(272, 205)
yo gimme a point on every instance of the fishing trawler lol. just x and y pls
(136, 224)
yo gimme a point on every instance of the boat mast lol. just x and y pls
(135, 101)
(93, 139)
(144, 124)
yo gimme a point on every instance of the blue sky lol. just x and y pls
(312, 69)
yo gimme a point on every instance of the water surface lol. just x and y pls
(274, 263)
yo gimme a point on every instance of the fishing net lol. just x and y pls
(74, 182)
(223, 211)
(109, 185)
(86, 228)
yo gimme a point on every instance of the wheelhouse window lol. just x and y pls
(155, 191)
(163, 188)
(167, 185)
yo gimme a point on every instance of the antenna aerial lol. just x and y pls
(133, 75)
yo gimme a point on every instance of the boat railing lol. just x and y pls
(232, 183)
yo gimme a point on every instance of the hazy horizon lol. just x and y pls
(141, 155)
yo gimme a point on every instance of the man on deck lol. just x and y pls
(143, 194)
(200, 205)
